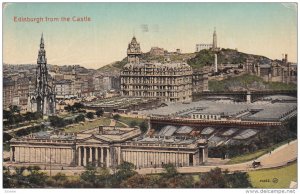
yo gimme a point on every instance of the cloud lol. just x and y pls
(292, 6)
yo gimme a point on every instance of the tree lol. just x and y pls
(143, 126)
(99, 113)
(169, 171)
(69, 108)
(136, 181)
(117, 117)
(59, 177)
(77, 106)
(172, 179)
(133, 123)
(238, 180)
(213, 179)
(124, 171)
(14, 109)
(79, 118)
(56, 121)
(90, 115)
(89, 175)
(292, 125)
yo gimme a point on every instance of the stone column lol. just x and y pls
(84, 156)
(17, 152)
(73, 156)
(91, 155)
(108, 157)
(11, 154)
(101, 157)
(96, 157)
(194, 160)
(203, 155)
(79, 156)
(188, 159)
(119, 156)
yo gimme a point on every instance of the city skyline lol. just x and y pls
(268, 29)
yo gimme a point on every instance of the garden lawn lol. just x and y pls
(128, 120)
(88, 125)
(254, 155)
(267, 178)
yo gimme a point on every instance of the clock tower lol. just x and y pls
(134, 51)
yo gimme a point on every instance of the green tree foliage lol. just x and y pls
(137, 181)
(90, 175)
(80, 118)
(245, 82)
(143, 126)
(133, 123)
(28, 130)
(99, 113)
(14, 109)
(90, 115)
(170, 178)
(34, 178)
(76, 107)
(238, 180)
(292, 125)
(117, 117)
(56, 121)
(203, 58)
(6, 137)
(59, 177)
(169, 171)
(213, 179)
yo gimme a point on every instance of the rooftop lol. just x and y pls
(273, 108)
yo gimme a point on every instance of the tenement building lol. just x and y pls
(171, 82)
(107, 146)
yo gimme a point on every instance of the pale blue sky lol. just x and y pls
(268, 29)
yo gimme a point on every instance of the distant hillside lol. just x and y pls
(199, 59)
(225, 56)
(148, 57)
(247, 82)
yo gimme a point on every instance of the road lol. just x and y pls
(278, 157)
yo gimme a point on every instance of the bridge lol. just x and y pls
(243, 96)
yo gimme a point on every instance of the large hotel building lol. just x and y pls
(171, 82)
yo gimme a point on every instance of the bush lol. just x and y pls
(99, 113)
(133, 124)
(56, 121)
(117, 117)
(90, 115)
(143, 126)
(80, 118)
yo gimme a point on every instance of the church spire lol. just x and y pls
(42, 42)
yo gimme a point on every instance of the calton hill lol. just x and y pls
(205, 58)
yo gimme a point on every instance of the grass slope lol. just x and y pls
(88, 125)
(264, 178)
(256, 154)
(247, 81)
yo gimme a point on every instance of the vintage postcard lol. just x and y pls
(150, 95)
